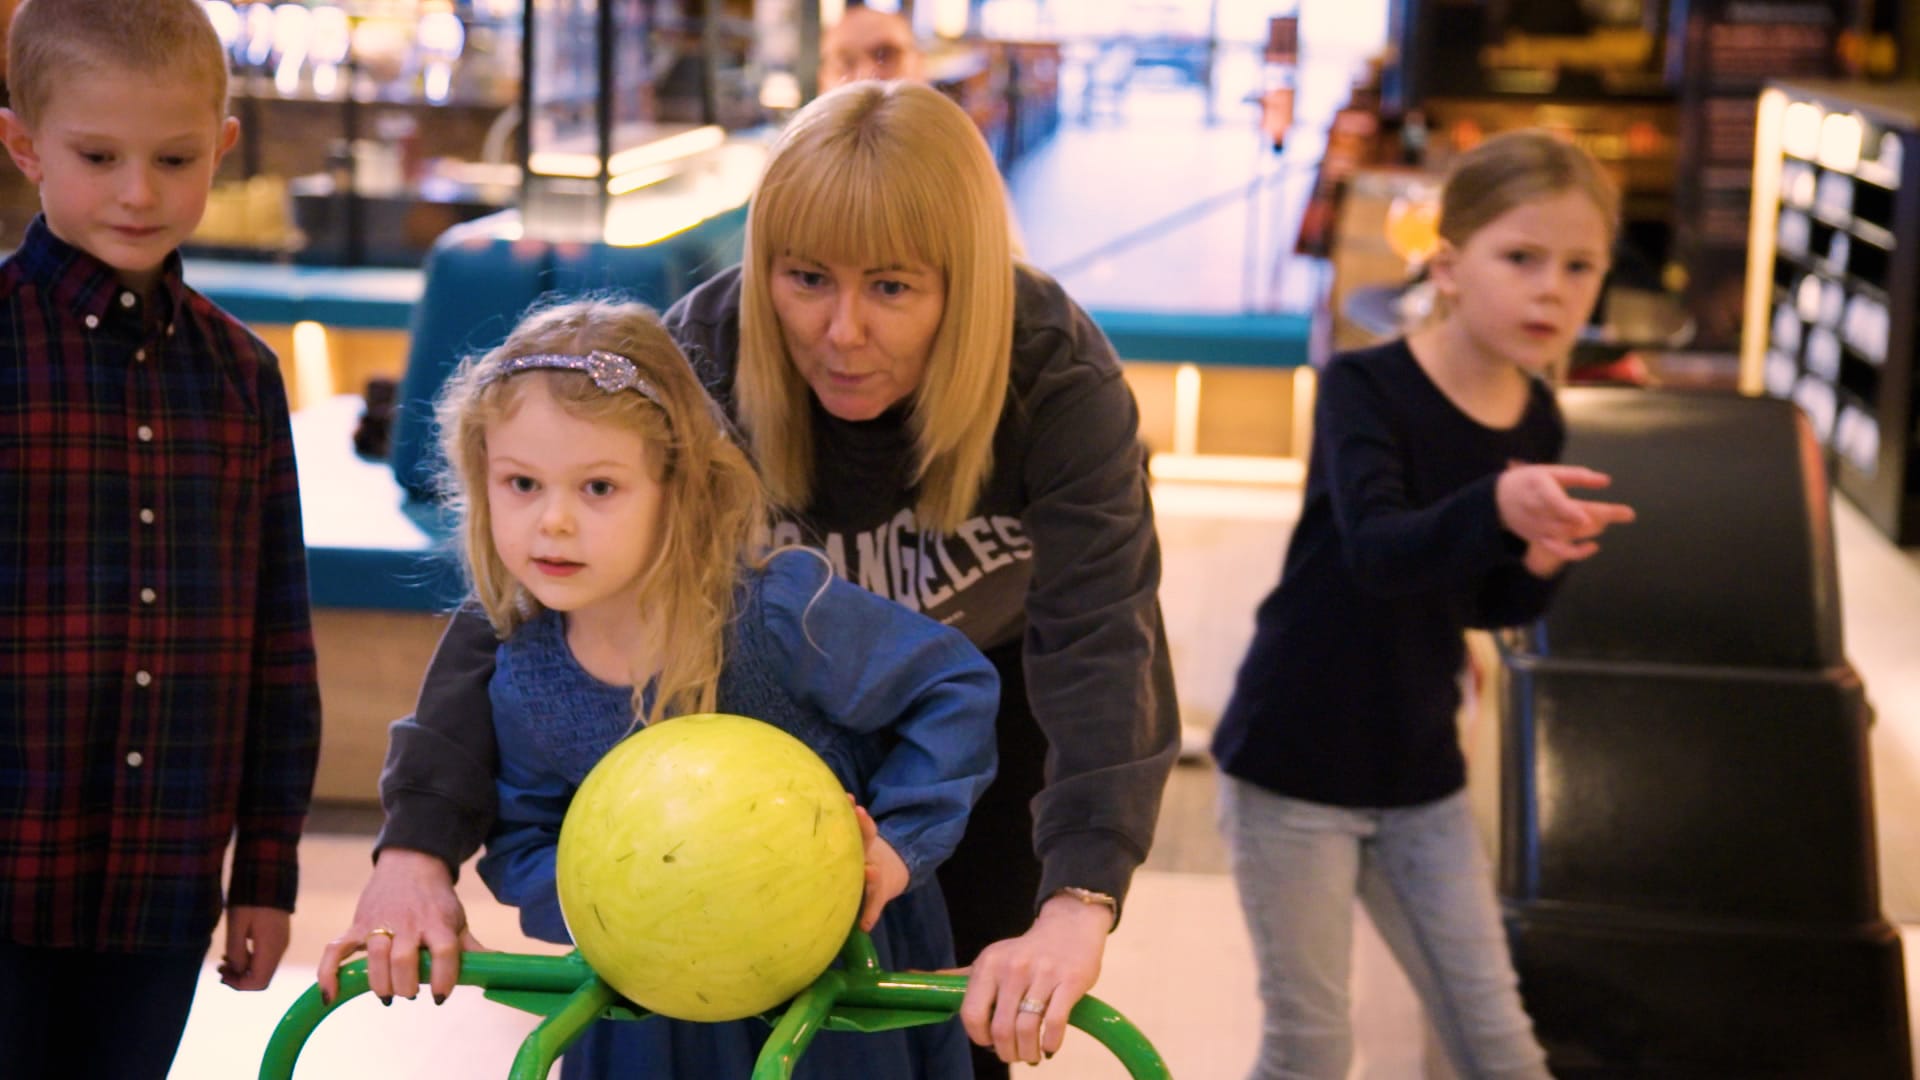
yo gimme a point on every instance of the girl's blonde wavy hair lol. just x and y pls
(874, 174)
(714, 510)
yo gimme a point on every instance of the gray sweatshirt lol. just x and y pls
(1061, 554)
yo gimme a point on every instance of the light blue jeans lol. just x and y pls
(1428, 887)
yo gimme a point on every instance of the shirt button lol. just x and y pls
(147, 596)
(135, 759)
(143, 678)
(93, 322)
(145, 433)
(146, 516)
(140, 356)
(127, 299)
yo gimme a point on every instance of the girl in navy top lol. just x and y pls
(614, 535)
(1433, 504)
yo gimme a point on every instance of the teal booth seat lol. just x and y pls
(375, 535)
(1229, 340)
(282, 294)
(367, 547)
(479, 282)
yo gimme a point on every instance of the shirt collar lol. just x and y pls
(82, 283)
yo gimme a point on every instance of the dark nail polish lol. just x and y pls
(388, 1000)
(439, 999)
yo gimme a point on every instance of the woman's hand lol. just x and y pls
(408, 903)
(887, 875)
(1020, 991)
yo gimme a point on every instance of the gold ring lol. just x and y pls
(379, 930)
(1028, 1005)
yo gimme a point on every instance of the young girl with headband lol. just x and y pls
(615, 536)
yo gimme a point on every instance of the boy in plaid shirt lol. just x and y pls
(157, 689)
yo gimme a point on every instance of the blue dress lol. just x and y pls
(900, 707)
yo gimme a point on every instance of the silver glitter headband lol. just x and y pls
(610, 371)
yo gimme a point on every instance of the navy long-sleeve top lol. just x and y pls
(1348, 692)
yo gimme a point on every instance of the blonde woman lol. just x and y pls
(954, 433)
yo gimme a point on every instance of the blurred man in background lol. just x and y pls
(869, 44)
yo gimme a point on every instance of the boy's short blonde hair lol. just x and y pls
(50, 40)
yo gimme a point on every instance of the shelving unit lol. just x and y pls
(1833, 281)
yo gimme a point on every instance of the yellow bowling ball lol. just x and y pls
(710, 867)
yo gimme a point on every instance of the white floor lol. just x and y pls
(1179, 968)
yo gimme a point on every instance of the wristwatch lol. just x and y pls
(1088, 896)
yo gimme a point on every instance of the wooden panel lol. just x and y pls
(358, 355)
(1152, 386)
(1242, 410)
(1245, 411)
(280, 340)
(353, 357)
(371, 663)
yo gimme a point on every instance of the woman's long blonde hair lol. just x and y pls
(874, 174)
(713, 508)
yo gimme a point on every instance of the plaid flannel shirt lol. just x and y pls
(157, 688)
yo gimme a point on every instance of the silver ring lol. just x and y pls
(1028, 1005)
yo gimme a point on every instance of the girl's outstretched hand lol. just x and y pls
(1544, 559)
(1535, 505)
(887, 875)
